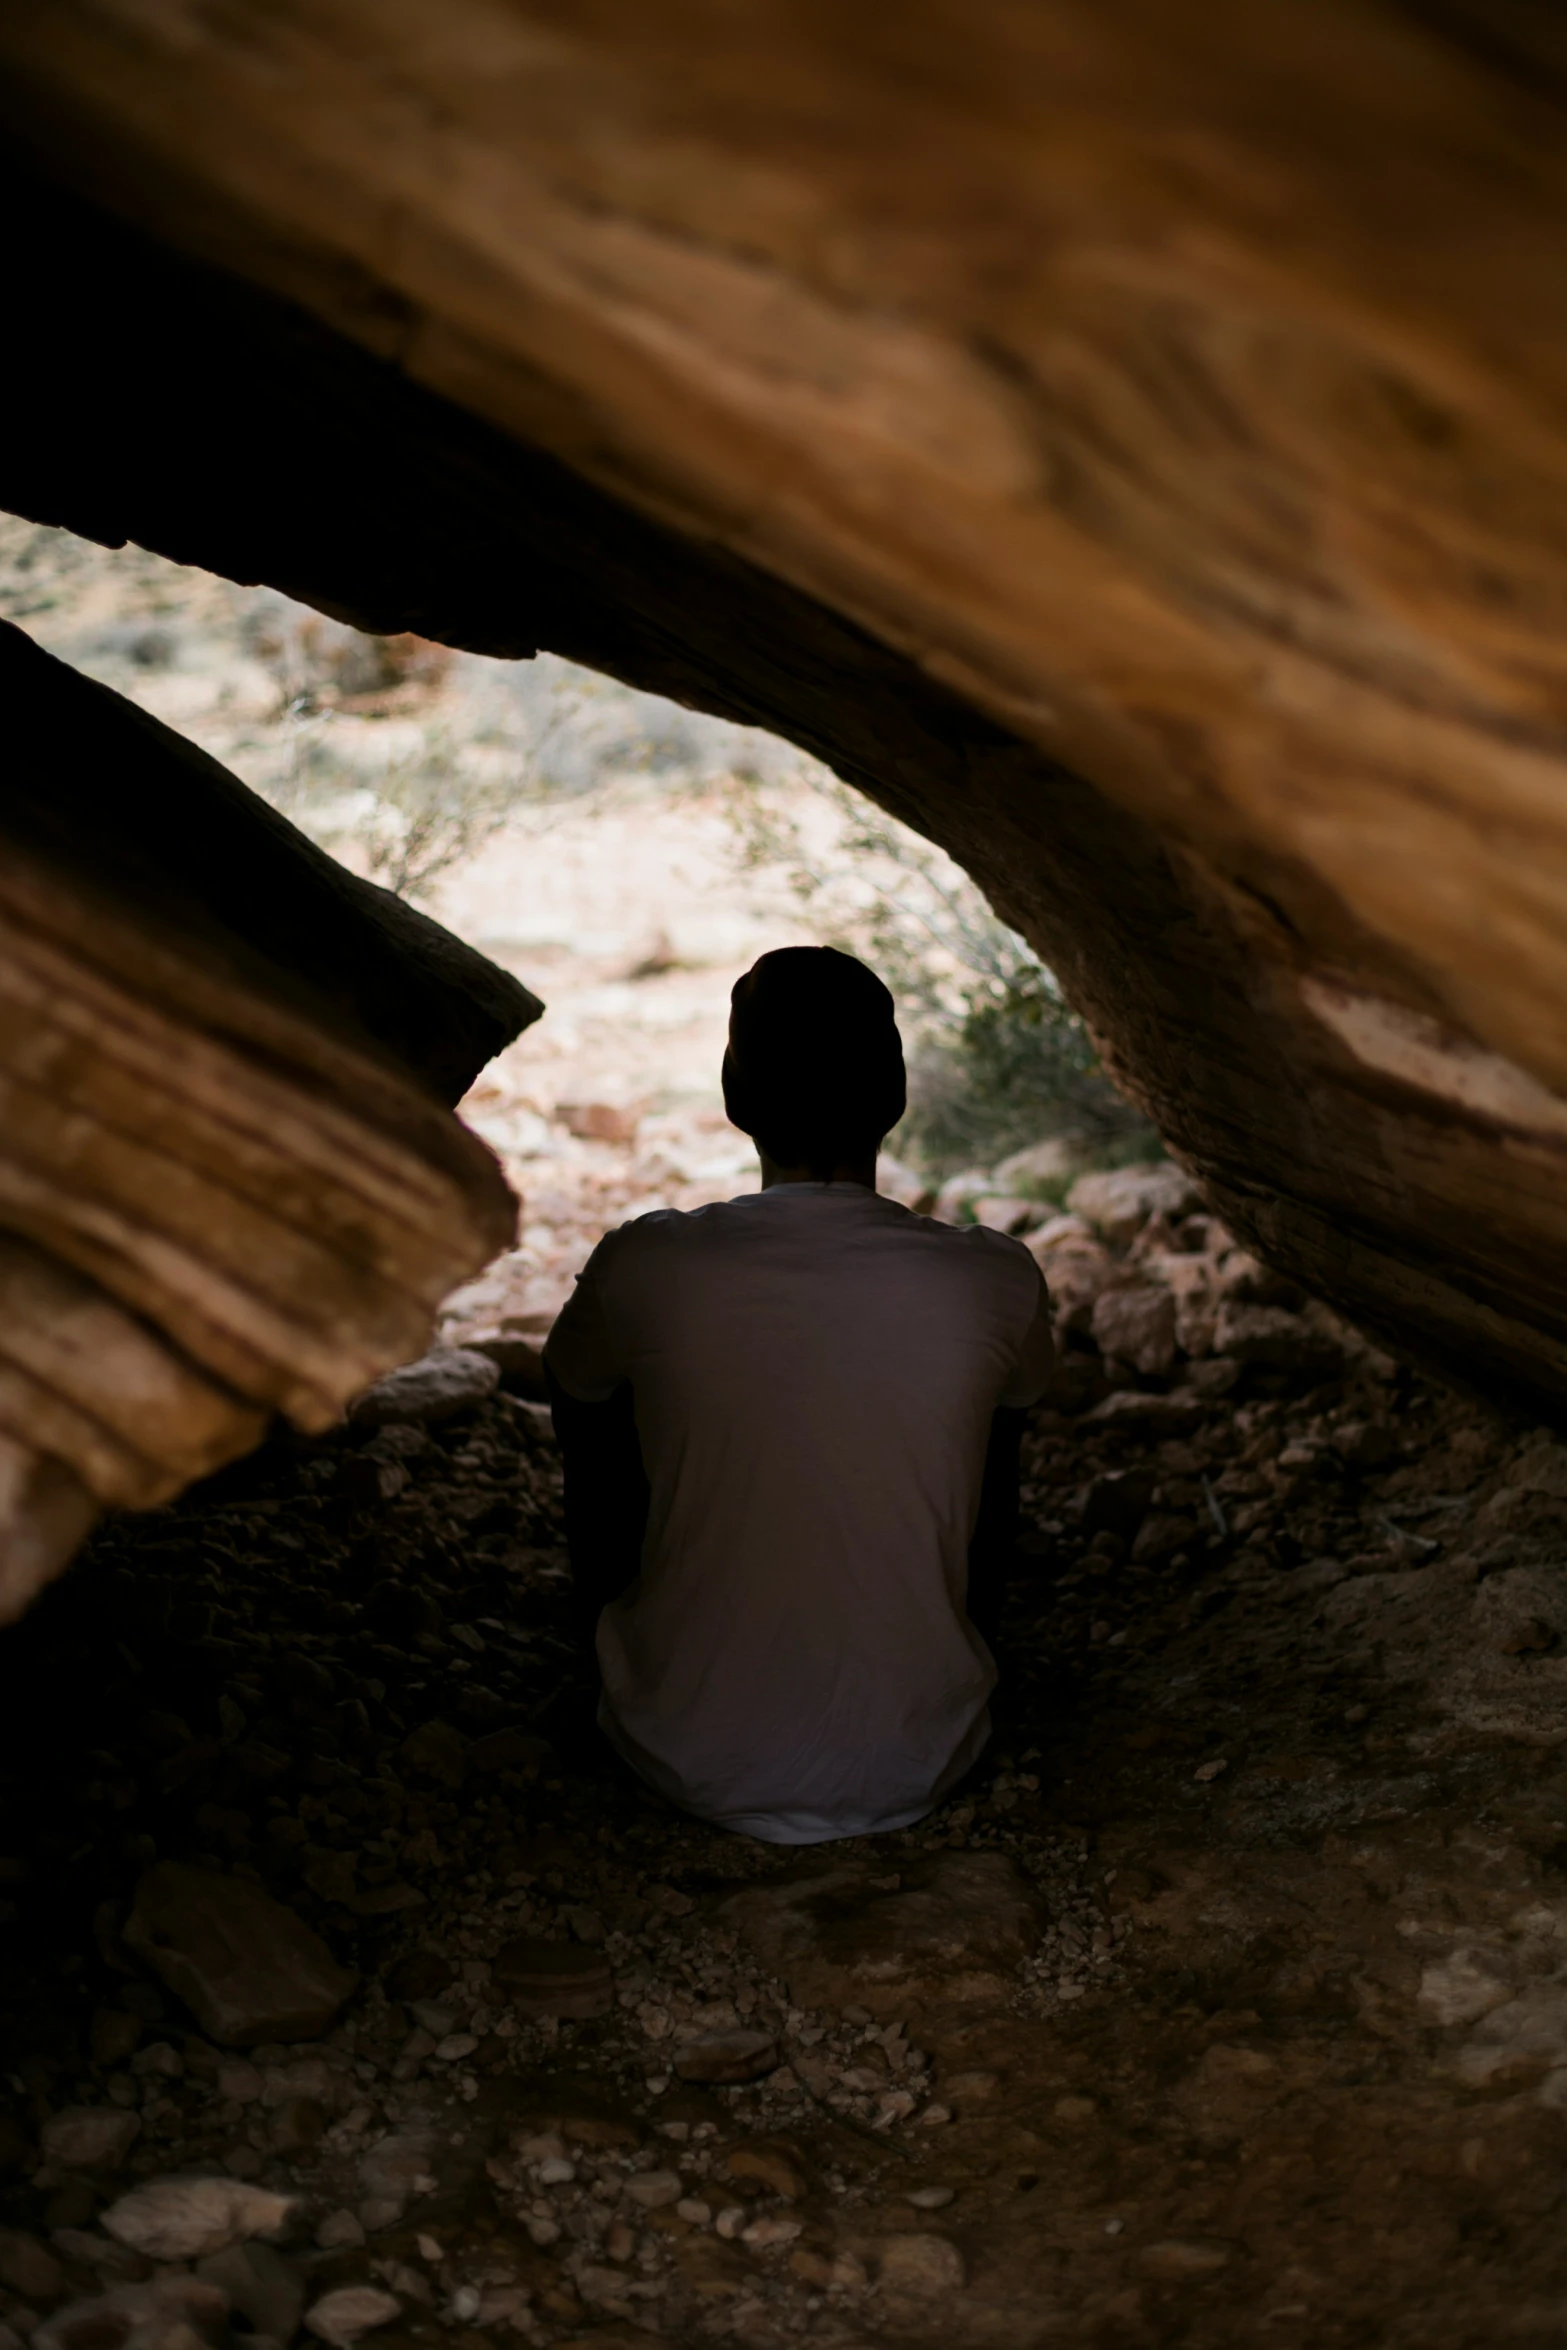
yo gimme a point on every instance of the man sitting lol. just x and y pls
(816, 1397)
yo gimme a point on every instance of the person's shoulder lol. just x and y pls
(992, 1255)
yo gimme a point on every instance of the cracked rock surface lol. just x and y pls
(1226, 2002)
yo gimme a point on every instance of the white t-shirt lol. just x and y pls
(814, 1372)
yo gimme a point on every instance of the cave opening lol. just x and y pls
(1130, 458)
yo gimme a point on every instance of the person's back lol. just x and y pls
(815, 1373)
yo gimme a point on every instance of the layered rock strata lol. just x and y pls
(1134, 453)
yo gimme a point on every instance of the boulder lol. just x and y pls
(1521, 1608)
(849, 1934)
(1276, 1340)
(437, 1387)
(248, 1968)
(566, 1979)
(1134, 1323)
(1120, 1203)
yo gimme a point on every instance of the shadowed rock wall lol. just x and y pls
(1134, 450)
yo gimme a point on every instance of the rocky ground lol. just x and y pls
(352, 1990)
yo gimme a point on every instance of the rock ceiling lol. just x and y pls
(1132, 445)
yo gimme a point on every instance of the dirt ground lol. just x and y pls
(1225, 2004)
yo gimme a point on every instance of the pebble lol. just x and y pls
(930, 2198)
(727, 2057)
(339, 2318)
(653, 2189)
(89, 2137)
(248, 1968)
(181, 2219)
(339, 2231)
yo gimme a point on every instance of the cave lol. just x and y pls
(1130, 452)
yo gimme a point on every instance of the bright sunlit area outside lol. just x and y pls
(627, 859)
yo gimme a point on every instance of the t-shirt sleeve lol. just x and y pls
(580, 1352)
(1036, 1356)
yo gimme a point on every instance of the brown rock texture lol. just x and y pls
(246, 1966)
(1133, 449)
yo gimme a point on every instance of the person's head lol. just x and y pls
(814, 1069)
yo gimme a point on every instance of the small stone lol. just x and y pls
(89, 2137)
(917, 2265)
(763, 2233)
(930, 2198)
(452, 1379)
(182, 2219)
(556, 2170)
(727, 2057)
(339, 2318)
(774, 2164)
(264, 2287)
(1179, 2258)
(694, 2211)
(653, 2189)
(455, 2047)
(28, 2267)
(339, 2231)
(1206, 1772)
(248, 1968)
(730, 2221)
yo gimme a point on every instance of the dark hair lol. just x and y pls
(814, 1069)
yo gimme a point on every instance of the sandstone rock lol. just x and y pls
(183, 2219)
(247, 1968)
(339, 2318)
(169, 2313)
(916, 2265)
(842, 1935)
(554, 1978)
(436, 1751)
(1075, 1273)
(266, 2289)
(437, 1387)
(89, 2137)
(1134, 1322)
(734, 2056)
(1120, 1203)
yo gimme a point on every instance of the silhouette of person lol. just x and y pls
(790, 1426)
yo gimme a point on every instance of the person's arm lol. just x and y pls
(606, 1495)
(993, 1547)
(592, 1406)
(994, 1543)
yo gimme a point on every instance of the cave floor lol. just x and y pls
(1285, 2062)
